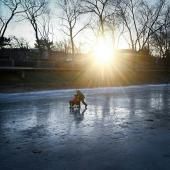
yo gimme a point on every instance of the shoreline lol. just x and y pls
(12, 82)
(19, 88)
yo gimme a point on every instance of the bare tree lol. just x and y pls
(160, 39)
(126, 9)
(34, 11)
(71, 13)
(12, 8)
(140, 19)
(100, 8)
(45, 32)
(152, 21)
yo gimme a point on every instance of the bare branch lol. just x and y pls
(71, 14)
(13, 7)
(84, 27)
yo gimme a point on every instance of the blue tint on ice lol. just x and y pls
(36, 95)
(123, 128)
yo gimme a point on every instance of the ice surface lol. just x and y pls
(123, 128)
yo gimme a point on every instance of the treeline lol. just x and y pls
(144, 24)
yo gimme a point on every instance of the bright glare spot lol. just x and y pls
(103, 51)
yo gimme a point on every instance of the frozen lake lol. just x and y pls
(125, 128)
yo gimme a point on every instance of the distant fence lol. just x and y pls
(39, 63)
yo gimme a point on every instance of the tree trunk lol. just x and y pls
(72, 42)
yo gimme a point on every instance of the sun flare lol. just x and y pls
(103, 51)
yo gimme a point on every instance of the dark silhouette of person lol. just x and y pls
(81, 97)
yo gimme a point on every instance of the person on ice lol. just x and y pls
(78, 97)
(81, 97)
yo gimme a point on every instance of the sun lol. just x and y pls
(103, 51)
